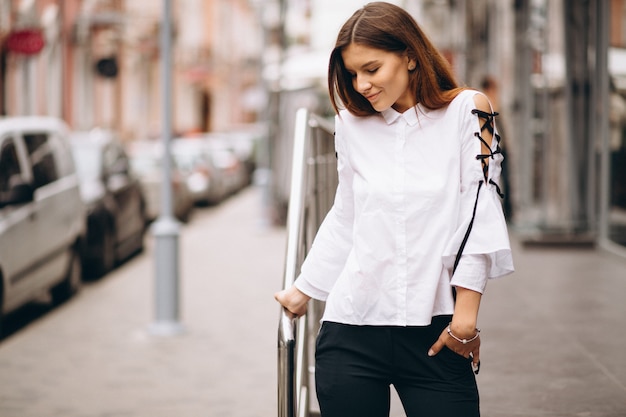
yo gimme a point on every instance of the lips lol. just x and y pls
(372, 97)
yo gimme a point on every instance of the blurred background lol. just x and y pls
(81, 175)
(556, 71)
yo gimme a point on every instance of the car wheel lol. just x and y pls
(72, 282)
(142, 233)
(185, 214)
(106, 262)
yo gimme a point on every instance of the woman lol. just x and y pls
(418, 163)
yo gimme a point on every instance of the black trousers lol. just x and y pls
(356, 365)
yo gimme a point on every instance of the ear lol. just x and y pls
(411, 64)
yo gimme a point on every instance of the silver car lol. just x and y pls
(204, 178)
(42, 215)
(146, 160)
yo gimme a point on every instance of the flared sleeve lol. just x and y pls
(333, 241)
(481, 229)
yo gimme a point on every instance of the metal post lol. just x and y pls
(524, 105)
(262, 175)
(577, 97)
(602, 111)
(166, 228)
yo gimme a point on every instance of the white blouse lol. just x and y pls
(407, 189)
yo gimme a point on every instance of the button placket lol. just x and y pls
(400, 218)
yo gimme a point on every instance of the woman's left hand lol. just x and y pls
(467, 350)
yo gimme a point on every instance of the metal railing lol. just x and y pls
(313, 186)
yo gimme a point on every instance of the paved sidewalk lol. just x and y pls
(94, 357)
(554, 334)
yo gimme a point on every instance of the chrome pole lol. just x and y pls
(166, 229)
(295, 336)
(287, 334)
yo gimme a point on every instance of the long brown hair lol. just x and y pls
(388, 27)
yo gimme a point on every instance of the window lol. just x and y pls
(41, 159)
(115, 161)
(9, 165)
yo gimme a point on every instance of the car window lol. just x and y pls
(186, 159)
(9, 164)
(145, 164)
(110, 155)
(115, 161)
(88, 161)
(63, 154)
(41, 158)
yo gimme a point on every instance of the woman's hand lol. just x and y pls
(463, 327)
(470, 349)
(293, 300)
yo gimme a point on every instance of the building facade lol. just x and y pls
(560, 66)
(99, 63)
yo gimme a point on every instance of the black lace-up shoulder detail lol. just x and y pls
(487, 120)
(484, 159)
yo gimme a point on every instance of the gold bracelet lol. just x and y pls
(464, 341)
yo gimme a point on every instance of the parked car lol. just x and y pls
(204, 178)
(246, 141)
(232, 168)
(146, 160)
(42, 215)
(116, 207)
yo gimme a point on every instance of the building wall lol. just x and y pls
(216, 50)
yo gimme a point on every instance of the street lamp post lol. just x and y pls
(166, 228)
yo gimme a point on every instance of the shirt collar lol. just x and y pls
(409, 116)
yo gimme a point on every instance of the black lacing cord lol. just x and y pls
(495, 184)
(469, 229)
(466, 237)
(488, 117)
(489, 126)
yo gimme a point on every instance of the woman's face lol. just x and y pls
(382, 77)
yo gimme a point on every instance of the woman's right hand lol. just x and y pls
(293, 300)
